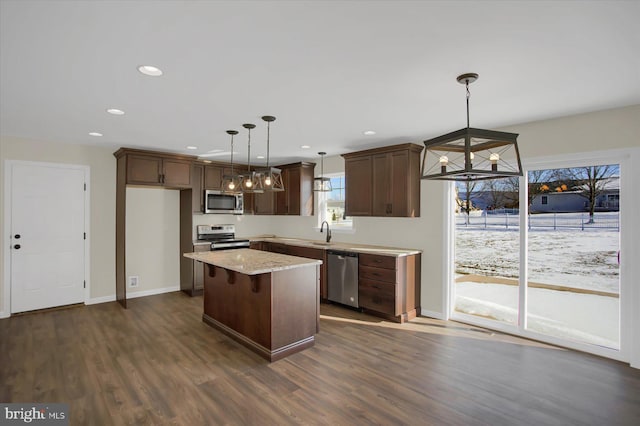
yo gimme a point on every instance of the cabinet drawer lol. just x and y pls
(377, 296)
(308, 252)
(387, 262)
(379, 274)
(279, 248)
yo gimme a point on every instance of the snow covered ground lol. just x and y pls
(563, 257)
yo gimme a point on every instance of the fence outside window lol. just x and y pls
(510, 219)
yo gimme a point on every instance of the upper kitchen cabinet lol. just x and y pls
(213, 176)
(358, 186)
(383, 181)
(297, 197)
(156, 169)
(264, 203)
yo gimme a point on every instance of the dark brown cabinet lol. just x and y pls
(358, 187)
(197, 193)
(154, 170)
(383, 181)
(264, 203)
(390, 286)
(213, 177)
(297, 197)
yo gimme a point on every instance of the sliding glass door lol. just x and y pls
(487, 250)
(544, 263)
(573, 274)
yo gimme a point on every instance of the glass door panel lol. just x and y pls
(573, 273)
(487, 242)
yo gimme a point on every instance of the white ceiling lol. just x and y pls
(328, 70)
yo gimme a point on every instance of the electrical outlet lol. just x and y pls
(134, 280)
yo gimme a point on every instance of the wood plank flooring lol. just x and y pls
(156, 363)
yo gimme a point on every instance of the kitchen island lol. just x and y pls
(268, 302)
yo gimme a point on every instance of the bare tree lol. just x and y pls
(593, 183)
(465, 203)
(495, 188)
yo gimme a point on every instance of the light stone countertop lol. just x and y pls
(350, 247)
(251, 262)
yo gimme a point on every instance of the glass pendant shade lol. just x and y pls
(271, 177)
(470, 153)
(251, 183)
(231, 183)
(322, 184)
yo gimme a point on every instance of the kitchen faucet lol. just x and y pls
(328, 230)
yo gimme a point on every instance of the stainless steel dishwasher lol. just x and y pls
(342, 271)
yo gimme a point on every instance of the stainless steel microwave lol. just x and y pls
(220, 202)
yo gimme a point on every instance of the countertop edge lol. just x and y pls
(198, 256)
(338, 246)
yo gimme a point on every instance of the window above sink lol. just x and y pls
(331, 205)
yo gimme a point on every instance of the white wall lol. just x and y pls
(152, 239)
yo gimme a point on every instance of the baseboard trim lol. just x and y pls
(130, 295)
(431, 314)
(4, 314)
(103, 299)
(152, 292)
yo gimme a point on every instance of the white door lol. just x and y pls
(47, 235)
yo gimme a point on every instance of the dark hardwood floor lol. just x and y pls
(158, 363)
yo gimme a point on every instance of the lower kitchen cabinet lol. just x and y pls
(308, 252)
(389, 286)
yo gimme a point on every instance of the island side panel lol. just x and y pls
(295, 305)
(240, 302)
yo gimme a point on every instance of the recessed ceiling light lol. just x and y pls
(369, 132)
(95, 134)
(305, 146)
(260, 157)
(115, 111)
(192, 147)
(150, 70)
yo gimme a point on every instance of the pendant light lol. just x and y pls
(322, 184)
(231, 183)
(250, 182)
(471, 154)
(271, 176)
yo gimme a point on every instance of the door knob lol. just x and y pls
(17, 236)
(17, 246)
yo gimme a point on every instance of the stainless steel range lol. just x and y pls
(221, 237)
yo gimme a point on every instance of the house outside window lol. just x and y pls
(331, 205)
